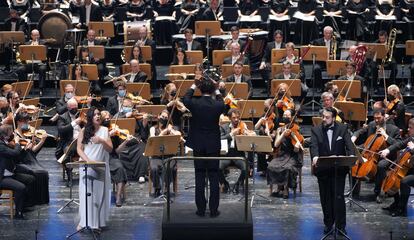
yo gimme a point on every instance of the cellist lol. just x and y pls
(399, 206)
(395, 106)
(391, 135)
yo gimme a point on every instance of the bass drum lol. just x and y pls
(53, 25)
(131, 31)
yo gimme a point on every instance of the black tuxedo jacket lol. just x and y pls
(204, 133)
(140, 77)
(245, 79)
(268, 51)
(61, 107)
(95, 15)
(112, 106)
(195, 46)
(20, 25)
(8, 156)
(96, 42)
(65, 133)
(208, 15)
(341, 145)
(292, 76)
(357, 77)
(227, 60)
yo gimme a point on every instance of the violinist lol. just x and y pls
(32, 146)
(399, 206)
(283, 99)
(239, 77)
(156, 163)
(288, 74)
(395, 106)
(136, 164)
(10, 177)
(14, 102)
(114, 103)
(332, 88)
(118, 172)
(6, 89)
(236, 55)
(174, 105)
(284, 168)
(4, 111)
(69, 125)
(391, 135)
(228, 132)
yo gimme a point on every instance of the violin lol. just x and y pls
(391, 183)
(37, 133)
(230, 101)
(391, 105)
(140, 115)
(121, 133)
(137, 99)
(368, 168)
(285, 103)
(270, 121)
(84, 99)
(294, 134)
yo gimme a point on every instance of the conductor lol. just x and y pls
(204, 139)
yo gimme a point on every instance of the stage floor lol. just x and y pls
(294, 218)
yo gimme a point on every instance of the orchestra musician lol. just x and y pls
(326, 40)
(89, 12)
(399, 206)
(10, 177)
(180, 58)
(213, 12)
(235, 38)
(163, 128)
(392, 66)
(284, 168)
(395, 106)
(5, 89)
(136, 75)
(391, 135)
(357, 11)
(94, 144)
(328, 101)
(228, 132)
(236, 55)
(284, 100)
(239, 77)
(352, 75)
(4, 111)
(91, 39)
(28, 160)
(329, 139)
(189, 44)
(86, 57)
(114, 104)
(131, 156)
(136, 54)
(204, 139)
(38, 66)
(189, 10)
(145, 41)
(118, 172)
(174, 105)
(137, 10)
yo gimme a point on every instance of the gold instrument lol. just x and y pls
(333, 49)
(137, 99)
(119, 77)
(359, 58)
(390, 46)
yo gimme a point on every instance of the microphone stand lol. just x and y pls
(313, 102)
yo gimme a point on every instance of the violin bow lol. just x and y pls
(175, 102)
(274, 99)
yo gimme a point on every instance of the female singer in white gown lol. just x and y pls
(94, 144)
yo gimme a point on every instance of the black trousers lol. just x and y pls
(19, 183)
(382, 167)
(203, 167)
(39, 68)
(158, 169)
(239, 164)
(333, 207)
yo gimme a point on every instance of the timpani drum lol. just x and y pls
(131, 31)
(54, 25)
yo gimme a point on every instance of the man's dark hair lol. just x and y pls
(234, 28)
(277, 32)
(331, 110)
(381, 111)
(207, 86)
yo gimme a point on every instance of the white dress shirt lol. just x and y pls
(88, 13)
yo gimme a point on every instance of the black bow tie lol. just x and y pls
(329, 128)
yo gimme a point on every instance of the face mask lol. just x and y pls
(73, 111)
(173, 93)
(280, 94)
(68, 95)
(25, 127)
(127, 109)
(390, 97)
(106, 123)
(121, 93)
(163, 122)
(285, 120)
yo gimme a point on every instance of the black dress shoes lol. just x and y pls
(399, 213)
(226, 187)
(215, 213)
(391, 207)
(200, 213)
(342, 232)
(19, 216)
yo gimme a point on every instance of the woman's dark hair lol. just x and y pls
(81, 50)
(89, 127)
(140, 58)
(10, 95)
(175, 61)
(73, 70)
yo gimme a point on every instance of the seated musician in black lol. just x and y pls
(189, 44)
(213, 12)
(163, 128)
(376, 65)
(399, 206)
(238, 77)
(145, 41)
(352, 75)
(135, 163)
(86, 57)
(136, 75)
(391, 135)
(395, 106)
(235, 55)
(180, 58)
(69, 93)
(10, 178)
(36, 66)
(115, 102)
(13, 23)
(174, 105)
(235, 38)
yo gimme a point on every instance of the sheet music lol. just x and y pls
(300, 15)
(332, 15)
(388, 18)
(279, 19)
(161, 18)
(75, 19)
(255, 18)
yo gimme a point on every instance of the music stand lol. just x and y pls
(315, 53)
(153, 110)
(227, 70)
(239, 90)
(353, 111)
(335, 162)
(252, 108)
(295, 86)
(32, 53)
(185, 85)
(22, 88)
(278, 68)
(211, 27)
(194, 56)
(161, 146)
(14, 38)
(353, 85)
(254, 144)
(139, 89)
(103, 29)
(85, 166)
(81, 87)
(219, 56)
(336, 67)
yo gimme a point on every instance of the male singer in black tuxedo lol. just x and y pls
(329, 139)
(204, 139)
